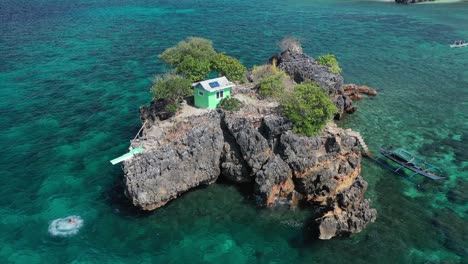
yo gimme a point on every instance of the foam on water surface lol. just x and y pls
(66, 226)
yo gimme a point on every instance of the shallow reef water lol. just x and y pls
(73, 74)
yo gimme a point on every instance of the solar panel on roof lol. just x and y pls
(214, 84)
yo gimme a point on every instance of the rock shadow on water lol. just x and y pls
(120, 204)
(310, 231)
(308, 235)
(246, 189)
(117, 200)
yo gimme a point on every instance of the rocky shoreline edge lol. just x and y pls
(256, 145)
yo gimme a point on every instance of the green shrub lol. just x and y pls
(198, 48)
(195, 70)
(271, 86)
(308, 108)
(330, 61)
(269, 80)
(171, 88)
(230, 104)
(262, 71)
(172, 108)
(229, 67)
(195, 58)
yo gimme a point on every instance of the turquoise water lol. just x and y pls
(73, 74)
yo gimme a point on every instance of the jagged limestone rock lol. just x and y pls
(302, 67)
(254, 147)
(251, 146)
(189, 157)
(274, 181)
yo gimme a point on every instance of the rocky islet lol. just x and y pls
(257, 146)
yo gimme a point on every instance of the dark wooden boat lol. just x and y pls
(407, 160)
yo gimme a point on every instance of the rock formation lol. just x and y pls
(301, 67)
(257, 146)
(355, 92)
(156, 111)
(188, 155)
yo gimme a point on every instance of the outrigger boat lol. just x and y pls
(459, 44)
(410, 162)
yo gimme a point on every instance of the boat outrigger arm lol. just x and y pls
(410, 162)
(459, 44)
(127, 156)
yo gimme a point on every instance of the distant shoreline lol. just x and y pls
(429, 2)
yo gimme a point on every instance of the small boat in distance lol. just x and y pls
(459, 44)
(410, 162)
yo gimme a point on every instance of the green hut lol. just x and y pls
(208, 93)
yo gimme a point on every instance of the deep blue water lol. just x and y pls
(73, 74)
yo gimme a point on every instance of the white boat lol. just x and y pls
(459, 44)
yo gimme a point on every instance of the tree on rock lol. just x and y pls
(228, 66)
(198, 48)
(195, 70)
(172, 89)
(195, 59)
(308, 108)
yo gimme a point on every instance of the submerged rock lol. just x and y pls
(355, 91)
(257, 146)
(453, 228)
